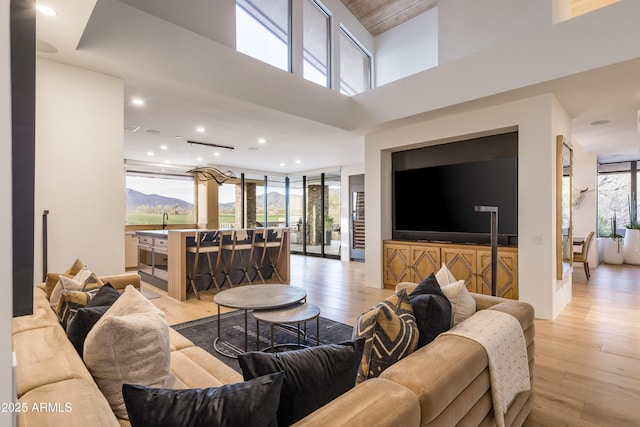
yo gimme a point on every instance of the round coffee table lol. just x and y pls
(290, 315)
(255, 297)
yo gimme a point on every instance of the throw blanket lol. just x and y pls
(502, 337)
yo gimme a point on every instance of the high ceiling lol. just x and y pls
(378, 16)
(174, 107)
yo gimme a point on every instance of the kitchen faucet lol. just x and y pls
(165, 220)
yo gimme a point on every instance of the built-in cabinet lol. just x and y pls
(407, 261)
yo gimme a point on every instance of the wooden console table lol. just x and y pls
(410, 261)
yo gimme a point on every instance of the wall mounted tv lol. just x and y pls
(435, 191)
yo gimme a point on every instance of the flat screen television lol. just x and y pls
(438, 202)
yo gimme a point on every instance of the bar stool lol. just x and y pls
(271, 242)
(206, 242)
(238, 242)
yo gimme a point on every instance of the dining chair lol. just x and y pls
(582, 256)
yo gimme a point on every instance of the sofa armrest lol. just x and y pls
(375, 402)
(409, 286)
(120, 281)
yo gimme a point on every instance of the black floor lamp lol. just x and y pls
(494, 244)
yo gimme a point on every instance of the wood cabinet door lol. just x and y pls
(425, 260)
(507, 276)
(397, 264)
(462, 264)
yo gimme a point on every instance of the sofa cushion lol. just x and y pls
(431, 308)
(252, 403)
(69, 403)
(391, 333)
(86, 317)
(195, 368)
(463, 305)
(52, 278)
(313, 376)
(44, 356)
(129, 344)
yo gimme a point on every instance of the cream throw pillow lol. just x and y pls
(129, 344)
(444, 276)
(463, 305)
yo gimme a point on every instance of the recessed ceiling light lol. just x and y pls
(46, 10)
(137, 101)
(216, 154)
(262, 141)
(178, 137)
(149, 153)
(298, 161)
(252, 148)
(199, 159)
(600, 122)
(200, 129)
(281, 164)
(167, 161)
(164, 147)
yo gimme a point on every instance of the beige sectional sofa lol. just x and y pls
(443, 383)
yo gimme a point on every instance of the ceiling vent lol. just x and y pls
(131, 128)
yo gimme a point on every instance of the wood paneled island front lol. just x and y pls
(178, 267)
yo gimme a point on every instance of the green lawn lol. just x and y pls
(142, 219)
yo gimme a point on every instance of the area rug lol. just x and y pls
(203, 332)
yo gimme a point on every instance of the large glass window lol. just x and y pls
(355, 66)
(316, 43)
(227, 205)
(262, 30)
(614, 194)
(150, 197)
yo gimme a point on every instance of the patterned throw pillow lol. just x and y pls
(82, 282)
(391, 333)
(52, 278)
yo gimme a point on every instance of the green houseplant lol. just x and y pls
(631, 248)
(613, 251)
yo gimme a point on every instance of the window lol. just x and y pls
(227, 206)
(262, 30)
(150, 196)
(614, 193)
(316, 43)
(355, 66)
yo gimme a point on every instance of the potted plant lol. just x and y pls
(631, 248)
(328, 228)
(613, 251)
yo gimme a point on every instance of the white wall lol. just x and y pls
(408, 48)
(468, 26)
(212, 19)
(79, 168)
(6, 248)
(585, 214)
(537, 120)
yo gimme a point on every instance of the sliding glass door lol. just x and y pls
(315, 214)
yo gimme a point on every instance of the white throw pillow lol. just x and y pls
(129, 344)
(444, 276)
(463, 305)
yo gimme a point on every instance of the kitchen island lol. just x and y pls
(164, 261)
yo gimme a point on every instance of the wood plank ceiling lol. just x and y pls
(378, 16)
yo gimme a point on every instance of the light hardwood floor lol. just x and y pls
(587, 360)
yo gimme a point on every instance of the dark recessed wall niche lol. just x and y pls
(23, 95)
(436, 189)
